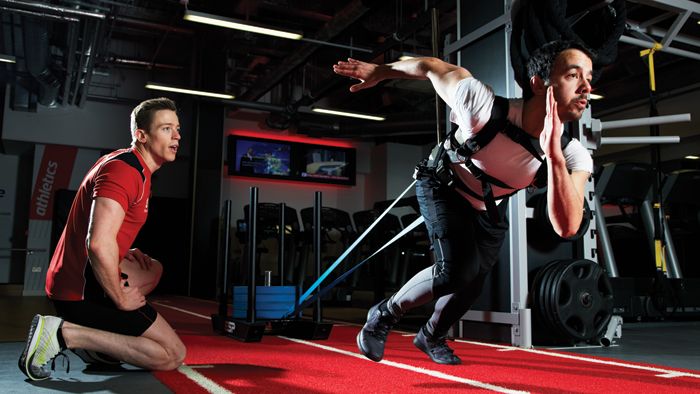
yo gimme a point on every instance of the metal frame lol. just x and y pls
(682, 9)
(587, 130)
(519, 318)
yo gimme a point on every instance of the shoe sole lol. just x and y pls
(23, 357)
(30, 349)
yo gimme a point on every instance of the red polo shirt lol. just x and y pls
(121, 176)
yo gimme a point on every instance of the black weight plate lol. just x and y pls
(582, 304)
(572, 300)
(537, 293)
(551, 297)
(549, 283)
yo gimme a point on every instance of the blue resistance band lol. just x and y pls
(341, 278)
(345, 254)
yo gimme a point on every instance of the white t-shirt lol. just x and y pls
(502, 158)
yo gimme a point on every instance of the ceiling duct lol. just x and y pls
(37, 59)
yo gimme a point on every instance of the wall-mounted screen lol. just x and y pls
(326, 163)
(261, 157)
(258, 157)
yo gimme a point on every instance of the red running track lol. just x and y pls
(283, 365)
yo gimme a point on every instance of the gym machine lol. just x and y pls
(261, 309)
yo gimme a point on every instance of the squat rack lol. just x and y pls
(587, 130)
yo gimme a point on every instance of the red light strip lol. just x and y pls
(290, 138)
(304, 184)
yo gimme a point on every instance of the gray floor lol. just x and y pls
(670, 344)
(128, 380)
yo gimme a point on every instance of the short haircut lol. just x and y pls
(142, 115)
(542, 60)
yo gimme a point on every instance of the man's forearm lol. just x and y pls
(416, 68)
(443, 76)
(105, 264)
(564, 202)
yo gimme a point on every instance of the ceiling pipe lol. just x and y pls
(93, 52)
(659, 32)
(142, 63)
(61, 18)
(345, 18)
(332, 83)
(649, 44)
(37, 59)
(72, 43)
(402, 34)
(52, 9)
(152, 25)
(254, 105)
(297, 13)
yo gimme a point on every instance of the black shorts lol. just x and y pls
(104, 315)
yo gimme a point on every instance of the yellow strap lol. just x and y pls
(650, 52)
(659, 254)
(663, 259)
(658, 246)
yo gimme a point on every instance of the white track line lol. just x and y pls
(662, 373)
(203, 381)
(581, 347)
(429, 372)
(182, 310)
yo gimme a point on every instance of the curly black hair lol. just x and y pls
(542, 60)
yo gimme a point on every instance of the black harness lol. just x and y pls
(439, 166)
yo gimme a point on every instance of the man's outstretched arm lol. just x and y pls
(444, 76)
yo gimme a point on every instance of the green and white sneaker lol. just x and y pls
(42, 347)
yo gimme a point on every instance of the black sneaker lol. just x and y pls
(435, 348)
(372, 337)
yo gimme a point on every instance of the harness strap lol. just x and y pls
(524, 139)
(498, 122)
(484, 177)
(490, 202)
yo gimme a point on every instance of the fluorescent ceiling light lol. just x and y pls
(188, 91)
(7, 59)
(221, 21)
(348, 114)
(692, 157)
(594, 96)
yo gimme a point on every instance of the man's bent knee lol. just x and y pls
(174, 350)
(174, 357)
(448, 281)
